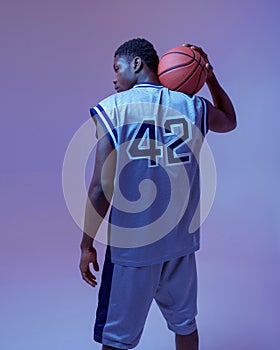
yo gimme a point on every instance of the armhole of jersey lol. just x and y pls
(98, 113)
(204, 123)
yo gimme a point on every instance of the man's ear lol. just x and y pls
(137, 64)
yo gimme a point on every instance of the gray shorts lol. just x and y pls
(126, 294)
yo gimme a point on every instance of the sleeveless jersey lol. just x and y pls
(157, 134)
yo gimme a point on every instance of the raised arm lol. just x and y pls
(221, 114)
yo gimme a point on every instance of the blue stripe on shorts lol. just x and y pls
(103, 297)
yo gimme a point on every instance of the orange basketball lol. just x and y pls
(182, 69)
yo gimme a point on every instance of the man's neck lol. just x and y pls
(148, 78)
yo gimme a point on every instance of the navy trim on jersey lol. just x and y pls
(103, 297)
(99, 113)
(157, 86)
(204, 126)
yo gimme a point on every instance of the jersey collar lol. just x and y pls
(157, 86)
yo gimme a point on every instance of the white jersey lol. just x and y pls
(157, 134)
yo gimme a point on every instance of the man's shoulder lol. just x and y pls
(135, 95)
(119, 98)
(183, 96)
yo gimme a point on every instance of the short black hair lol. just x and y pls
(141, 48)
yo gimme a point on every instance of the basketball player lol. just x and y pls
(140, 139)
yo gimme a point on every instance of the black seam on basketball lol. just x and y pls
(198, 81)
(187, 78)
(183, 65)
(175, 67)
(185, 54)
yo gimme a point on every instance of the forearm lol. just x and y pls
(220, 98)
(96, 209)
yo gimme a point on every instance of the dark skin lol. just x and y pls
(221, 115)
(221, 118)
(127, 74)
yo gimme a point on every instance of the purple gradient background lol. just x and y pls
(56, 61)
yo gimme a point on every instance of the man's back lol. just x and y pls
(157, 134)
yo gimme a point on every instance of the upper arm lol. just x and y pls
(105, 161)
(105, 156)
(218, 120)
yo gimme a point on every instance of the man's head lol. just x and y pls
(134, 61)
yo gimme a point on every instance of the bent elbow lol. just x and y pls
(232, 125)
(227, 126)
(99, 191)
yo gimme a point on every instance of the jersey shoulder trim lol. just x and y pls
(99, 113)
